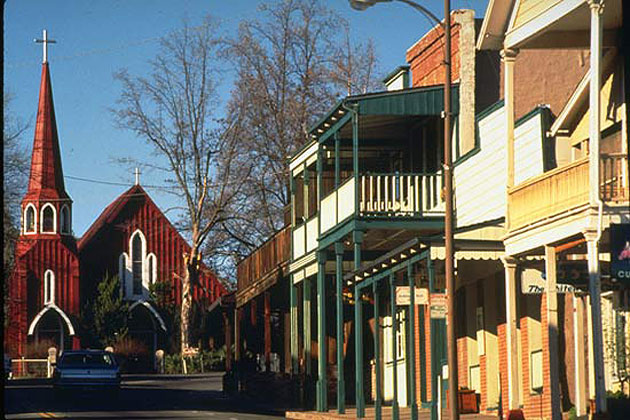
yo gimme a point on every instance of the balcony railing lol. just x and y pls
(566, 188)
(268, 257)
(400, 195)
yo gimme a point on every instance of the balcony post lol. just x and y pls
(355, 158)
(392, 297)
(509, 57)
(306, 284)
(594, 287)
(341, 385)
(357, 237)
(337, 168)
(552, 332)
(267, 328)
(597, 8)
(511, 323)
(293, 297)
(411, 344)
(377, 352)
(322, 382)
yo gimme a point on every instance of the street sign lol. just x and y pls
(438, 306)
(403, 298)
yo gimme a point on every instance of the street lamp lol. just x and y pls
(448, 192)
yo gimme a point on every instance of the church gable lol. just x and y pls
(135, 240)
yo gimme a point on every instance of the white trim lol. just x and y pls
(142, 258)
(151, 309)
(152, 276)
(514, 38)
(41, 218)
(123, 263)
(300, 158)
(49, 292)
(34, 231)
(65, 232)
(46, 308)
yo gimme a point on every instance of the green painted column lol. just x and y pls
(341, 385)
(411, 345)
(307, 325)
(337, 167)
(357, 237)
(355, 158)
(392, 288)
(322, 383)
(378, 402)
(358, 349)
(293, 297)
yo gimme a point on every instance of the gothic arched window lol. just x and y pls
(151, 268)
(48, 219)
(136, 264)
(64, 220)
(29, 219)
(49, 287)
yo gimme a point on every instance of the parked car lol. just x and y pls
(8, 372)
(86, 369)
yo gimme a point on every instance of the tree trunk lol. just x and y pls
(190, 277)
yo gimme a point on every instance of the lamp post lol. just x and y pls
(448, 192)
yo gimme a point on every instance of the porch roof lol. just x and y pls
(385, 106)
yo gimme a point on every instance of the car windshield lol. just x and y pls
(82, 359)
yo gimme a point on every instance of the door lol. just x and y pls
(399, 363)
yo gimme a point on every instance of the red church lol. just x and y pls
(55, 274)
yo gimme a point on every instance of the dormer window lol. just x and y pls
(49, 287)
(49, 224)
(64, 220)
(30, 224)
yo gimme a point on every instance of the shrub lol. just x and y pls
(39, 349)
(210, 360)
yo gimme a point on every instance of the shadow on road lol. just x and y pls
(149, 397)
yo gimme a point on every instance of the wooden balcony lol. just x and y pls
(261, 268)
(566, 188)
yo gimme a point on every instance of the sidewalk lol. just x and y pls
(386, 413)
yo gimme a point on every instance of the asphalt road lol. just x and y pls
(141, 397)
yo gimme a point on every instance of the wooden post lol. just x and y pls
(293, 297)
(552, 332)
(307, 326)
(411, 344)
(341, 386)
(228, 341)
(267, 314)
(322, 382)
(377, 351)
(511, 321)
(392, 297)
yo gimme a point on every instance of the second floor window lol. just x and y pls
(29, 219)
(48, 220)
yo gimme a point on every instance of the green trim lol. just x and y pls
(335, 127)
(531, 114)
(323, 119)
(418, 102)
(489, 110)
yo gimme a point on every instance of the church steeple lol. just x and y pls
(46, 207)
(46, 177)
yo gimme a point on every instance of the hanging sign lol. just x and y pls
(403, 296)
(533, 283)
(620, 252)
(438, 306)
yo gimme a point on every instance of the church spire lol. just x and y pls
(46, 177)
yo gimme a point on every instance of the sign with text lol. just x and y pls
(620, 252)
(533, 282)
(438, 305)
(403, 296)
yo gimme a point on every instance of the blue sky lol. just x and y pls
(96, 38)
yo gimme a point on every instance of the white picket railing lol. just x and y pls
(25, 367)
(400, 195)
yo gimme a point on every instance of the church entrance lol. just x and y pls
(143, 330)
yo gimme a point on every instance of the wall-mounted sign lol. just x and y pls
(403, 296)
(620, 252)
(533, 282)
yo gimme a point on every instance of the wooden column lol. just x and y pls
(357, 237)
(228, 341)
(411, 344)
(511, 321)
(341, 385)
(552, 332)
(580, 361)
(293, 301)
(267, 314)
(378, 400)
(307, 326)
(322, 381)
(509, 57)
(392, 297)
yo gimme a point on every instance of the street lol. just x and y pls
(141, 397)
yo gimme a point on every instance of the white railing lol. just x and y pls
(400, 195)
(43, 367)
(337, 205)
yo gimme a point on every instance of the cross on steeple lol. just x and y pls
(137, 173)
(45, 41)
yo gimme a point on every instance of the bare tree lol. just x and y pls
(293, 62)
(174, 110)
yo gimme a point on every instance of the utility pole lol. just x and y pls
(448, 223)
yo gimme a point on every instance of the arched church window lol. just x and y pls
(136, 264)
(122, 272)
(29, 219)
(152, 268)
(48, 219)
(49, 287)
(65, 219)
